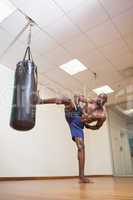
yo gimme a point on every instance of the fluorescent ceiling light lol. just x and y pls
(128, 112)
(73, 67)
(104, 89)
(6, 8)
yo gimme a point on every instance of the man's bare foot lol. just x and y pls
(85, 180)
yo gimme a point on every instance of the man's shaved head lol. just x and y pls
(101, 99)
(103, 96)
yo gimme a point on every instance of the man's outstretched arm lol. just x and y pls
(97, 126)
(64, 101)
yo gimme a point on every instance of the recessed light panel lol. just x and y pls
(73, 67)
(104, 89)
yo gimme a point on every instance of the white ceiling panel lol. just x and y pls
(43, 63)
(42, 43)
(5, 40)
(58, 74)
(13, 56)
(68, 5)
(58, 56)
(115, 7)
(85, 77)
(88, 15)
(129, 40)
(106, 65)
(115, 48)
(19, 22)
(88, 80)
(93, 59)
(103, 34)
(64, 79)
(123, 61)
(49, 89)
(63, 30)
(17, 3)
(74, 86)
(124, 22)
(44, 12)
(46, 83)
(14, 23)
(43, 79)
(108, 75)
(79, 45)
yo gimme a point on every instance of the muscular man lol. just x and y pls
(94, 112)
(78, 118)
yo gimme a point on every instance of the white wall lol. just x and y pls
(98, 150)
(47, 150)
(120, 144)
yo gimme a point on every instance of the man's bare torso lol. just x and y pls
(91, 112)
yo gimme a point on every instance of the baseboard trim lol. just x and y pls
(48, 177)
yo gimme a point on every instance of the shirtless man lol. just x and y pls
(94, 111)
(78, 118)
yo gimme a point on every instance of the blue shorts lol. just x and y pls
(75, 124)
(76, 131)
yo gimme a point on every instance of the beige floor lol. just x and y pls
(70, 189)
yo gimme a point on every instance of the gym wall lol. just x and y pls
(47, 150)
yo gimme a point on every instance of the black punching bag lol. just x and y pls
(25, 89)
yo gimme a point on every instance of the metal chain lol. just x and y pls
(29, 35)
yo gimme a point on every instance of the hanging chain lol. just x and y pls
(29, 35)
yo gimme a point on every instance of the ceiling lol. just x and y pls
(97, 32)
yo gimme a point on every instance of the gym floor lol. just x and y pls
(68, 189)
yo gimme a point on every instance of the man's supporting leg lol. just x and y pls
(81, 159)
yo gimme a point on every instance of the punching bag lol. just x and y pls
(23, 111)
